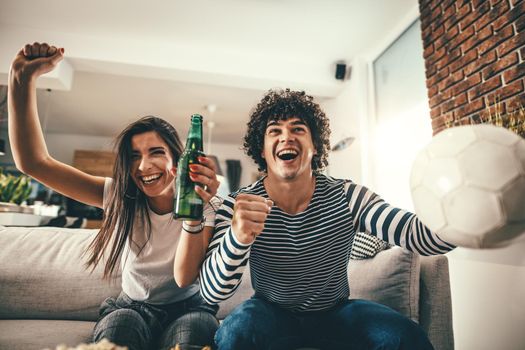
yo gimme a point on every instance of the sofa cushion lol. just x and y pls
(391, 278)
(40, 334)
(43, 276)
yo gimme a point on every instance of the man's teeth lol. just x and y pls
(150, 178)
(287, 154)
(287, 151)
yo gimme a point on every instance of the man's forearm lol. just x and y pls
(222, 270)
(393, 225)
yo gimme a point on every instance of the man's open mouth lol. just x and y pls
(287, 154)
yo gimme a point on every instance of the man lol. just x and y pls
(296, 227)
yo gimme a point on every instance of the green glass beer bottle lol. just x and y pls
(188, 204)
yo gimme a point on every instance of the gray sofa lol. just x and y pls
(47, 298)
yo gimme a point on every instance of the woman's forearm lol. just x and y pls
(190, 254)
(25, 133)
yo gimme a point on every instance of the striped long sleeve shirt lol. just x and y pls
(300, 261)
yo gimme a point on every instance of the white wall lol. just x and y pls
(347, 114)
(488, 298)
(62, 146)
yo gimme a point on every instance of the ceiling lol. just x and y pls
(129, 58)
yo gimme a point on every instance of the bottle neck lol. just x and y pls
(194, 144)
(194, 141)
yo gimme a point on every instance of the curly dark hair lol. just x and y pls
(283, 105)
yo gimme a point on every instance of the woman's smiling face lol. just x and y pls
(152, 164)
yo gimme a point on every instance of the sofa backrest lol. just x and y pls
(42, 275)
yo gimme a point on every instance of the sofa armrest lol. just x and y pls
(435, 306)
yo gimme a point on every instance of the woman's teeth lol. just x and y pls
(150, 179)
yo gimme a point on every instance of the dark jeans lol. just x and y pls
(354, 324)
(142, 326)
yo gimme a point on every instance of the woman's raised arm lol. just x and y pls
(25, 133)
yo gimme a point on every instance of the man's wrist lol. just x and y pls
(240, 241)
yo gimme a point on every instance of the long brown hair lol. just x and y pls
(126, 203)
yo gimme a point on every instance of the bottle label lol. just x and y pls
(188, 204)
(195, 200)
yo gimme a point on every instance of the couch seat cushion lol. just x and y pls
(41, 334)
(391, 278)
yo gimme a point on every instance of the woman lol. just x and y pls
(138, 228)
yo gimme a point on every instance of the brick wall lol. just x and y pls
(474, 55)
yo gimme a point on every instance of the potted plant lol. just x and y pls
(14, 190)
(513, 120)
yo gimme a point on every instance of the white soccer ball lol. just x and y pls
(468, 186)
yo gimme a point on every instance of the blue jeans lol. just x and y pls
(258, 324)
(142, 326)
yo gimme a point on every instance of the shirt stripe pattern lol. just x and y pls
(300, 261)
